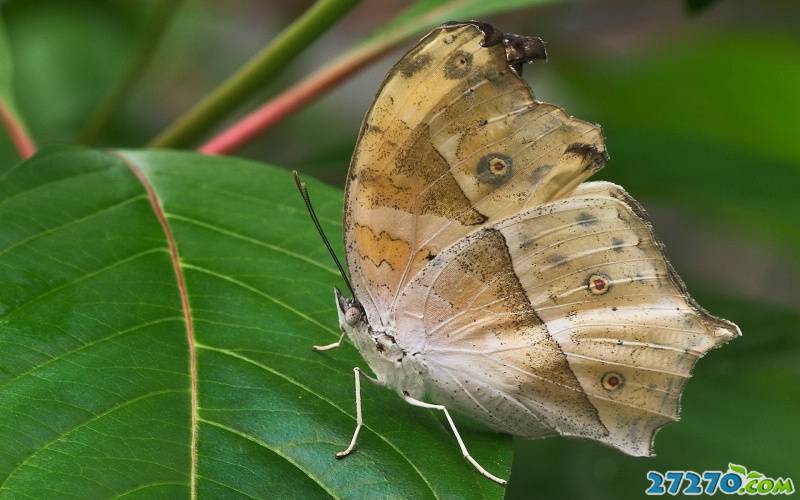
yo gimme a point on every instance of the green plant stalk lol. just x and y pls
(159, 22)
(254, 74)
(277, 108)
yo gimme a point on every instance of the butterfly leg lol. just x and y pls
(359, 419)
(464, 451)
(328, 347)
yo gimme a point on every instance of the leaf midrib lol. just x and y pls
(160, 215)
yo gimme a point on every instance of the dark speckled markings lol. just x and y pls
(486, 256)
(442, 194)
(412, 66)
(586, 219)
(594, 159)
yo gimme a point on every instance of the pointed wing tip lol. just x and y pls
(727, 330)
(721, 330)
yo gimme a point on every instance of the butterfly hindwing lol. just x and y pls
(486, 350)
(596, 274)
(564, 318)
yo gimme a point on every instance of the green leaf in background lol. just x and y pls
(6, 77)
(721, 142)
(96, 392)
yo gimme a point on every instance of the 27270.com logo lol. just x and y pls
(737, 480)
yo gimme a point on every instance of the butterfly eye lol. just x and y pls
(598, 284)
(352, 316)
(612, 381)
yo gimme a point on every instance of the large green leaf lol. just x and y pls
(96, 394)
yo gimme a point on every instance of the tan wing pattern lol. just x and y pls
(596, 275)
(455, 140)
(536, 303)
(581, 280)
(487, 352)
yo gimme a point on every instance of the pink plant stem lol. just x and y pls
(278, 108)
(16, 131)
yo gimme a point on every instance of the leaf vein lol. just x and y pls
(252, 240)
(264, 445)
(322, 398)
(94, 418)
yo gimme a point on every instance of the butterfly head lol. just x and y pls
(351, 313)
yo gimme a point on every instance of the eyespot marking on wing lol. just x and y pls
(612, 381)
(599, 284)
(495, 169)
(458, 65)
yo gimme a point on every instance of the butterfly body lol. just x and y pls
(396, 366)
(489, 277)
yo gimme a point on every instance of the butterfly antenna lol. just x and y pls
(301, 186)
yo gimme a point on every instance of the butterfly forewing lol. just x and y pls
(454, 140)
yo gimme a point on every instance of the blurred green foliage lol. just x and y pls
(67, 56)
(701, 114)
(709, 122)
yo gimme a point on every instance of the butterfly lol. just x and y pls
(488, 278)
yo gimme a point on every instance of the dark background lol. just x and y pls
(702, 119)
